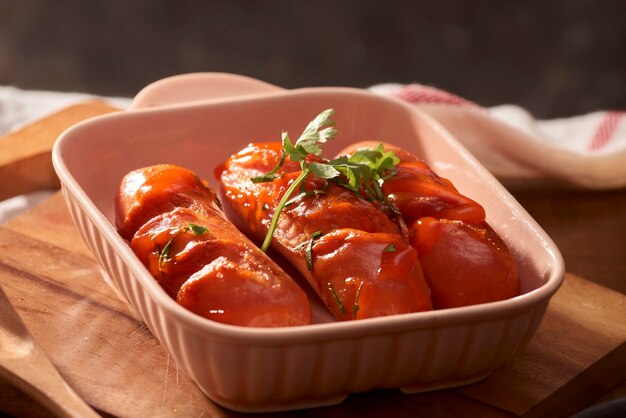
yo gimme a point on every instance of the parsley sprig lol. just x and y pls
(164, 253)
(363, 172)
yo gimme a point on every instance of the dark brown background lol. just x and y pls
(556, 58)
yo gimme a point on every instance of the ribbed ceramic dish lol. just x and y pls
(197, 121)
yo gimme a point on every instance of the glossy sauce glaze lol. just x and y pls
(464, 260)
(354, 253)
(178, 231)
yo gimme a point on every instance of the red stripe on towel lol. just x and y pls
(605, 130)
(416, 93)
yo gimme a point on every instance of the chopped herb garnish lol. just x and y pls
(336, 297)
(355, 307)
(308, 255)
(264, 207)
(271, 175)
(363, 172)
(309, 248)
(317, 132)
(302, 195)
(164, 254)
(198, 229)
(390, 248)
(393, 208)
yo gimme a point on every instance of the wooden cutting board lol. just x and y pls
(25, 154)
(109, 357)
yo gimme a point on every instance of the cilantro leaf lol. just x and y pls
(389, 248)
(362, 172)
(308, 255)
(323, 171)
(198, 229)
(356, 307)
(271, 175)
(295, 154)
(318, 131)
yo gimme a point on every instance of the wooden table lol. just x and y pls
(577, 357)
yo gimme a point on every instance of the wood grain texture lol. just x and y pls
(589, 227)
(24, 364)
(93, 338)
(25, 154)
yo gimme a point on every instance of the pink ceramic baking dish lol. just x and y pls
(197, 121)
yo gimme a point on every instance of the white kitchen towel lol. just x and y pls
(587, 151)
(19, 107)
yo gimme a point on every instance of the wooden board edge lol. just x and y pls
(26, 154)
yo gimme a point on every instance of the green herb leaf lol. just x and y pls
(265, 178)
(218, 203)
(302, 245)
(308, 255)
(164, 254)
(309, 248)
(355, 307)
(336, 297)
(318, 131)
(363, 172)
(271, 175)
(281, 206)
(390, 248)
(323, 171)
(303, 194)
(366, 169)
(307, 144)
(197, 229)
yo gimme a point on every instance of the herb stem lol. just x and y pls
(268, 238)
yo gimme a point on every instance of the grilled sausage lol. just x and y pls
(147, 192)
(464, 260)
(353, 253)
(199, 258)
